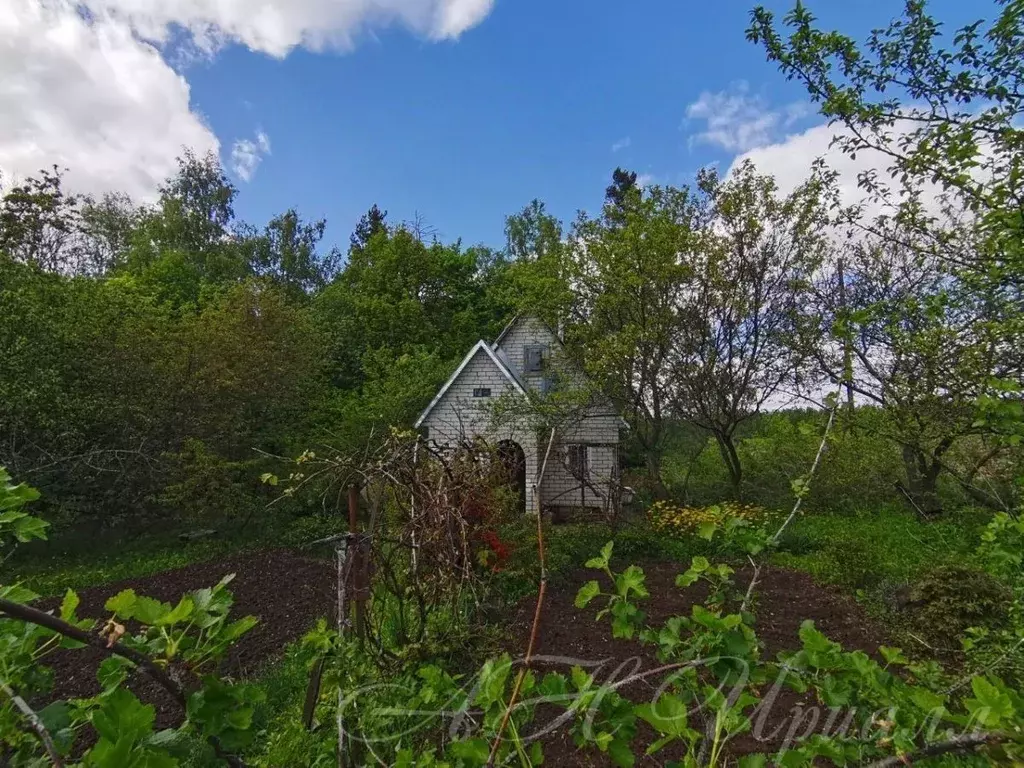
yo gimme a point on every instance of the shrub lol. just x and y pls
(674, 520)
(950, 599)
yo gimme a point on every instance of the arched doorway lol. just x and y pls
(513, 461)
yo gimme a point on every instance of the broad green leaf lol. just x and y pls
(707, 530)
(474, 751)
(605, 557)
(587, 592)
(992, 705)
(122, 604)
(631, 579)
(69, 605)
(182, 611)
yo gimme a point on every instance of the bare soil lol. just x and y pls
(785, 599)
(286, 591)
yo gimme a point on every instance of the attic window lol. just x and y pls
(533, 358)
(482, 392)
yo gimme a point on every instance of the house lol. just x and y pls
(494, 394)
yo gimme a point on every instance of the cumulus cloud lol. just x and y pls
(247, 154)
(738, 120)
(89, 84)
(790, 161)
(621, 144)
(90, 96)
(276, 27)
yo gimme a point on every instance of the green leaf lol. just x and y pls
(28, 528)
(991, 705)
(18, 594)
(536, 753)
(707, 530)
(587, 592)
(602, 561)
(699, 564)
(474, 751)
(621, 754)
(688, 578)
(123, 717)
(631, 579)
(69, 605)
(112, 672)
(893, 655)
(667, 715)
(182, 611)
(121, 604)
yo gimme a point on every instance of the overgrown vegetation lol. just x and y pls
(161, 365)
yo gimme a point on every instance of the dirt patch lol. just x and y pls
(785, 599)
(286, 591)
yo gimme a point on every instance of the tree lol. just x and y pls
(39, 222)
(939, 114)
(947, 116)
(371, 223)
(629, 270)
(731, 351)
(925, 344)
(286, 253)
(623, 185)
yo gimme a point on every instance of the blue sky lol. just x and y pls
(462, 122)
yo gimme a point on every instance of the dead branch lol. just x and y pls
(48, 621)
(37, 725)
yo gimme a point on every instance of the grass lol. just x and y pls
(51, 567)
(883, 546)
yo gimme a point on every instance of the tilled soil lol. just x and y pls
(286, 591)
(784, 599)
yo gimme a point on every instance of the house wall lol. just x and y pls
(598, 429)
(527, 331)
(459, 416)
(600, 433)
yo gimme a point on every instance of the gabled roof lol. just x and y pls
(512, 323)
(480, 345)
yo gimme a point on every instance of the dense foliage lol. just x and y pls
(160, 363)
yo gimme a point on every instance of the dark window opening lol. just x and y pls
(577, 458)
(482, 392)
(533, 359)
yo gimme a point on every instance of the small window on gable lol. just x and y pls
(482, 392)
(533, 358)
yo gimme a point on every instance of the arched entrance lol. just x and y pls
(513, 461)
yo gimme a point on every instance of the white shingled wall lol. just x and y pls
(459, 416)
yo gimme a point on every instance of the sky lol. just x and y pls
(459, 112)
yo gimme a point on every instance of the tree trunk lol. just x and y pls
(922, 480)
(653, 460)
(732, 460)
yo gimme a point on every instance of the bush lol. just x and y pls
(952, 598)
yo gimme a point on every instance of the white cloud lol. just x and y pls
(738, 120)
(276, 27)
(247, 154)
(790, 161)
(89, 84)
(646, 180)
(621, 144)
(89, 96)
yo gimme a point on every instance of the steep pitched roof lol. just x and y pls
(480, 345)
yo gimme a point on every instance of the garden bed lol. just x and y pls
(784, 599)
(286, 591)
